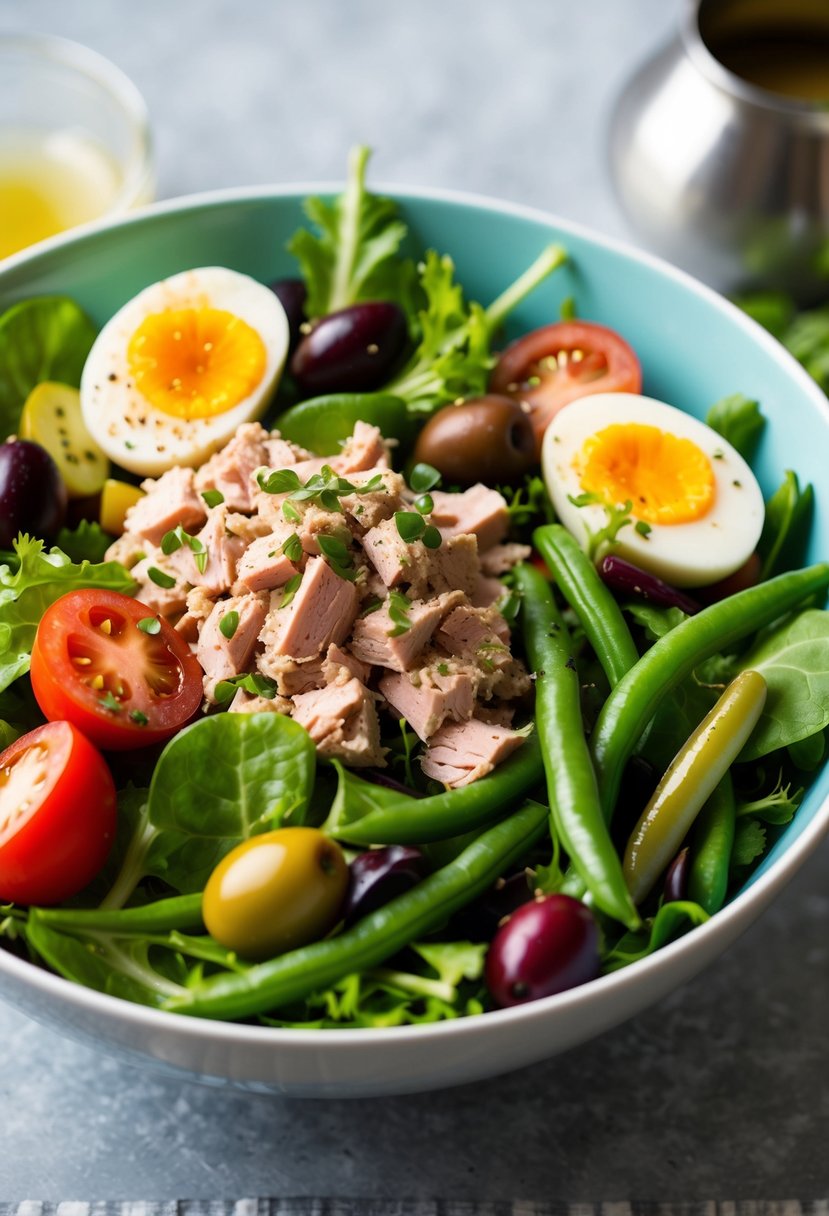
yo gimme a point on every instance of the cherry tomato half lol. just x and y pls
(554, 365)
(57, 815)
(105, 663)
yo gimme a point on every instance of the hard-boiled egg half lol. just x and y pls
(176, 371)
(696, 508)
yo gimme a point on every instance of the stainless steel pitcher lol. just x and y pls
(722, 175)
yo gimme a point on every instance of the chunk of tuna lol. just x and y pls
(468, 630)
(168, 502)
(364, 449)
(219, 554)
(488, 591)
(462, 752)
(428, 698)
(263, 565)
(321, 612)
(231, 470)
(500, 558)
(374, 640)
(163, 601)
(338, 661)
(452, 567)
(222, 657)
(342, 721)
(281, 453)
(366, 510)
(478, 511)
(291, 677)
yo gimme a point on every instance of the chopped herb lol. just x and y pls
(108, 701)
(252, 682)
(567, 308)
(424, 477)
(290, 512)
(171, 541)
(229, 624)
(372, 605)
(292, 548)
(150, 624)
(339, 556)
(326, 487)
(425, 504)
(278, 481)
(644, 529)
(213, 498)
(160, 578)
(443, 669)
(200, 558)
(290, 590)
(399, 605)
(431, 537)
(410, 525)
(139, 718)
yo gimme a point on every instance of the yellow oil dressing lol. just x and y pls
(50, 182)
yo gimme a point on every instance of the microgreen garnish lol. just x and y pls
(424, 504)
(529, 504)
(108, 701)
(290, 512)
(372, 605)
(325, 488)
(292, 548)
(567, 309)
(150, 624)
(399, 605)
(139, 718)
(618, 517)
(643, 528)
(339, 556)
(160, 578)
(252, 682)
(289, 591)
(411, 526)
(443, 669)
(174, 539)
(229, 624)
(424, 477)
(213, 498)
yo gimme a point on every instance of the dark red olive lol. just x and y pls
(487, 439)
(292, 294)
(379, 876)
(626, 579)
(351, 351)
(547, 946)
(676, 879)
(32, 494)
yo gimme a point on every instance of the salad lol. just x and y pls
(359, 667)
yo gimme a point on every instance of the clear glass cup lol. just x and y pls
(75, 140)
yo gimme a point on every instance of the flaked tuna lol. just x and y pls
(478, 511)
(322, 611)
(264, 564)
(231, 470)
(228, 638)
(427, 698)
(377, 639)
(462, 752)
(168, 503)
(342, 721)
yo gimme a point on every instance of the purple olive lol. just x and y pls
(627, 579)
(351, 351)
(547, 946)
(379, 876)
(292, 294)
(676, 879)
(32, 494)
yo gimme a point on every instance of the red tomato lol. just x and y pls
(123, 687)
(554, 365)
(57, 815)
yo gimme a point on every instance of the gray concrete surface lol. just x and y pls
(722, 1090)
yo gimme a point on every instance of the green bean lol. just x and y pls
(389, 818)
(690, 779)
(178, 912)
(711, 845)
(600, 616)
(575, 808)
(636, 697)
(375, 938)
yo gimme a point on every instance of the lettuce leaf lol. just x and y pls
(36, 581)
(353, 255)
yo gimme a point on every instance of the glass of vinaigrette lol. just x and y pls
(74, 139)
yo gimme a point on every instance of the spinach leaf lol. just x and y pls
(220, 781)
(786, 527)
(322, 423)
(794, 661)
(739, 420)
(353, 255)
(808, 340)
(27, 591)
(655, 619)
(45, 338)
(671, 921)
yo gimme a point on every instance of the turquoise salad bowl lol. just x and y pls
(694, 347)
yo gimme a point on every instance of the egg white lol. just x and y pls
(690, 554)
(134, 433)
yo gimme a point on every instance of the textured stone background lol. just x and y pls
(720, 1091)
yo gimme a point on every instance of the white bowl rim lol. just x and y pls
(735, 913)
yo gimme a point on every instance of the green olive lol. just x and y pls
(487, 439)
(275, 892)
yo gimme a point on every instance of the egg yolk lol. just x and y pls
(195, 362)
(667, 480)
